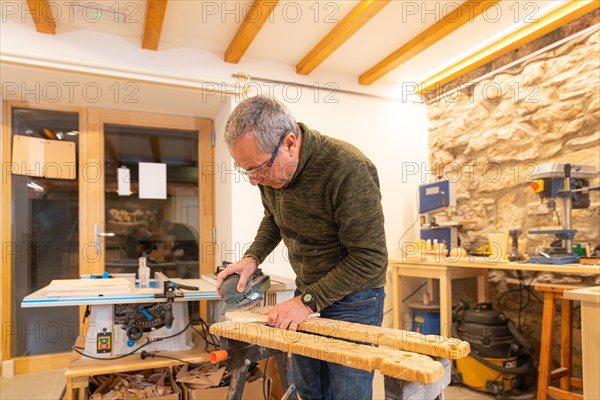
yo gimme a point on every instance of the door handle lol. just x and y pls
(98, 235)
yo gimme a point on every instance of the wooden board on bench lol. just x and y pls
(391, 362)
(432, 345)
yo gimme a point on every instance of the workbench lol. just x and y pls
(79, 370)
(448, 268)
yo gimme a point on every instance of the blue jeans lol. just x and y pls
(316, 379)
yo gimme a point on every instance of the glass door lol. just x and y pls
(155, 195)
(163, 229)
(44, 228)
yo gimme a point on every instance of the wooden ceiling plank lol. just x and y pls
(448, 24)
(544, 25)
(43, 17)
(155, 16)
(253, 21)
(356, 19)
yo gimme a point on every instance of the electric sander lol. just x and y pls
(256, 286)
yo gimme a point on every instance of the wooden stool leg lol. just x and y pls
(566, 340)
(545, 368)
(69, 390)
(80, 385)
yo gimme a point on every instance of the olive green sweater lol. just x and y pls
(330, 218)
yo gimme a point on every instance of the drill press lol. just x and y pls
(570, 184)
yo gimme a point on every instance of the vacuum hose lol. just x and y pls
(525, 345)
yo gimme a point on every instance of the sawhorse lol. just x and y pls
(242, 355)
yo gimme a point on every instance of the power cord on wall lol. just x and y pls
(414, 292)
(523, 302)
(411, 225)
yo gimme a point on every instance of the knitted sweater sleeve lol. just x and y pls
(359, 216)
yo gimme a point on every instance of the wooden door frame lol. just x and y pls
(95, 204)
(91, 200)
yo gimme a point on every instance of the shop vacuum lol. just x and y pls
(500, 360)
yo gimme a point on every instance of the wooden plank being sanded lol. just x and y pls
(432, 345)
(394, 363)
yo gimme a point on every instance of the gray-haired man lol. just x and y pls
(322, 197)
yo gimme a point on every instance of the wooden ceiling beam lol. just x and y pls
(155, 16)
(253, 21)
(359, 16)
(43, 17)
(449, 23)
(546, 24)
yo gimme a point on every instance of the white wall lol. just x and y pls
(389, 133)
(392, 134)
(223, 187)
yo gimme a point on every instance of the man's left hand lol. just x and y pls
(289, 314)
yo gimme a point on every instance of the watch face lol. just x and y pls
(307, 297)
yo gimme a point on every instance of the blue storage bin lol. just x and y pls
(425, 318)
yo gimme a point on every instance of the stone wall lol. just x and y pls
(489, 137)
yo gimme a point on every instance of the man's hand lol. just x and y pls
(245, 268)
(289, 314)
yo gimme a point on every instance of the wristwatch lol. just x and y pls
(309, 300)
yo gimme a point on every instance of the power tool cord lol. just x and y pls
(149, 341)
(144, 354)
(265, 380)
(209, 338)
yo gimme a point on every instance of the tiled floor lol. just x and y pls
(35, 386)
(50, 386)
(451, 393)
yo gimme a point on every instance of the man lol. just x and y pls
(138, 242)
(183, 242)
(322, 197)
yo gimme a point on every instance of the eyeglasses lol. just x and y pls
(259, 172)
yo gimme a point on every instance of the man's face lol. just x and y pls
(250, 158)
